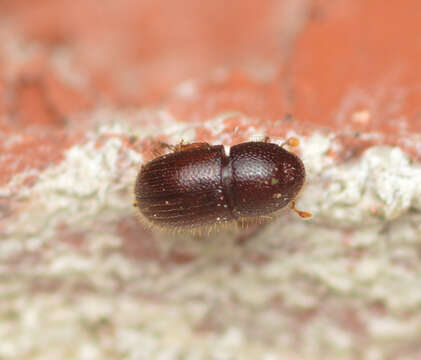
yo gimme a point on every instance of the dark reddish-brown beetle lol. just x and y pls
(199, 185)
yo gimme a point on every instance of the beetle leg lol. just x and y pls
(183, 147)
(292, 141)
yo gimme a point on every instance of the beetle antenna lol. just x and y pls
(303, 214)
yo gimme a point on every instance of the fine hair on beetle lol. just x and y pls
(198, 186)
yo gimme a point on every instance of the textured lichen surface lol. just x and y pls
(81, 278)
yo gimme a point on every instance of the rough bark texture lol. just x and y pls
(87, 91)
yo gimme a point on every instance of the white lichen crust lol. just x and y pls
(344, 285)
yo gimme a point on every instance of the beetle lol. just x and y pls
(198, 184)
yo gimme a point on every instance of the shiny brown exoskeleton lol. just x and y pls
(199, 184)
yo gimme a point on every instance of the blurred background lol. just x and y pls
(326, 59)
